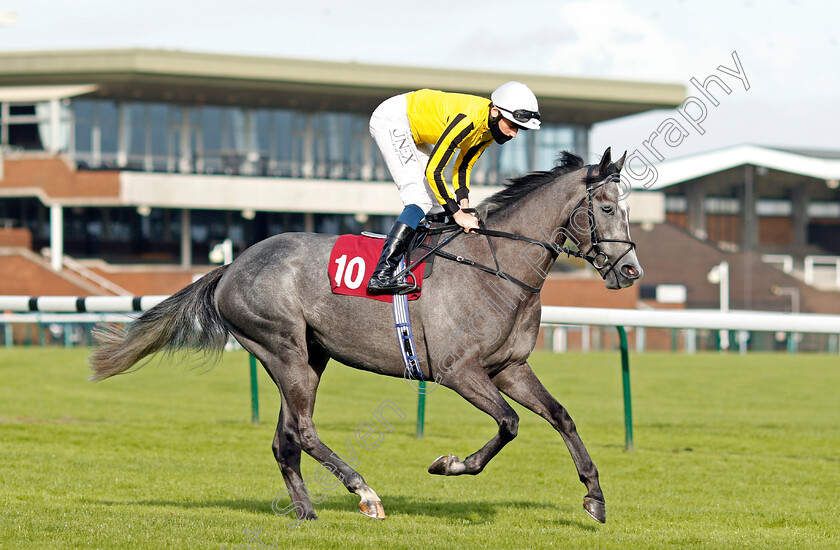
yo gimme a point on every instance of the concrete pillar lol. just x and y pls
(748, 217)
(308, 167)
(585, 338)
(368, 160)
(4, 123)
(55, 125)
(123, 134)
(560, 342)
(186, 239)
(148, 160)
(581, 142)
(170, 139)
(641, 335)
(96, 138)
(56, 236)
(799, 216)
(185, 145)
(696, 210)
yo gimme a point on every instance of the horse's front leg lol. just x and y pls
(522, 385)
(473, 384)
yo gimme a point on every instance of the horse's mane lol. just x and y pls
(517, 188)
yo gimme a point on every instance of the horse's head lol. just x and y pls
(600, 223)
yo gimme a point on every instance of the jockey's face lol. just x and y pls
(507, 127)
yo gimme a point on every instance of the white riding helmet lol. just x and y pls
(518, 104)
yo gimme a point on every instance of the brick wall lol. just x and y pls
(58, 178)
(563, 290)
(151, 280)
(16, 236)
(21, 275)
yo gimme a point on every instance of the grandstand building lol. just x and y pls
(121, 169)
(152, 156)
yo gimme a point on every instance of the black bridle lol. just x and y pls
(594, 255)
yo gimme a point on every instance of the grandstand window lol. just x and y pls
(770, 207)
(513, 157)
(157, 135)
(136, 121)
(108, 123)
(819, 209)
(676, 204)
(722, 205)
(550, 140)
(83, 134)
(96, 133)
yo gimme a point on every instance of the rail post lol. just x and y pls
(421, 408)
(625, 378)
(255, 398)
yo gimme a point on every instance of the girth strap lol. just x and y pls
(405, 338)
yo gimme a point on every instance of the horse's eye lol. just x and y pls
(607, 209)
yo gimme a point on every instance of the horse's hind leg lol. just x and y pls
(298, 379)
(287, 453)
(522, 385)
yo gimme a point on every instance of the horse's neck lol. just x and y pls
(542, 216)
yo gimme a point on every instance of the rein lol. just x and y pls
(592, 255)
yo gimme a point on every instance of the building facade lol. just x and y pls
(154, 156)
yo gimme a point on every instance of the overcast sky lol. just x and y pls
(789, 50)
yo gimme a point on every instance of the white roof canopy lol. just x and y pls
(35, 94)
(671, 172)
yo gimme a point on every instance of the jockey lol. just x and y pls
(418, 133)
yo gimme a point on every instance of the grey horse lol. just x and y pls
(474, 331)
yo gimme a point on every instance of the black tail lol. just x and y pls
(187, 319)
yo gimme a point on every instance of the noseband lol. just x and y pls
(594, 255)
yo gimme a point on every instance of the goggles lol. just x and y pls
(521, 115)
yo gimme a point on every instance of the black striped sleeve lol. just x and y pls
(440, 157)
(463, 167)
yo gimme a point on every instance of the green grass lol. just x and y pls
(731, 451)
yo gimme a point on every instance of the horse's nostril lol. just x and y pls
(629, 271)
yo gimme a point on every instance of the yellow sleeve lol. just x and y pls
(463, 169)
(456, 131)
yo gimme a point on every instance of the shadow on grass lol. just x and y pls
(471, 511)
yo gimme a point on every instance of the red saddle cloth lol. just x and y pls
(352, 262)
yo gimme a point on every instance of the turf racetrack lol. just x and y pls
(731, 451)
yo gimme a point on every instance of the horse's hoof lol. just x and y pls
(595, 508)
(441, 465)
(372, 509)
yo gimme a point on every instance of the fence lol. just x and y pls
(104, 308)
(794, 323)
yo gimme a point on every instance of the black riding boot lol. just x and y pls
(382, 281)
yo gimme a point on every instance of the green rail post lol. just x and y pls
(421, 407)
(255, 399)
(625, 377)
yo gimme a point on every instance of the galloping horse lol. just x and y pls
(275, 299)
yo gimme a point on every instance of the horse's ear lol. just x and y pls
(605, 163)
(620, 162)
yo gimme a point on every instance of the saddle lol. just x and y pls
(427, 237)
